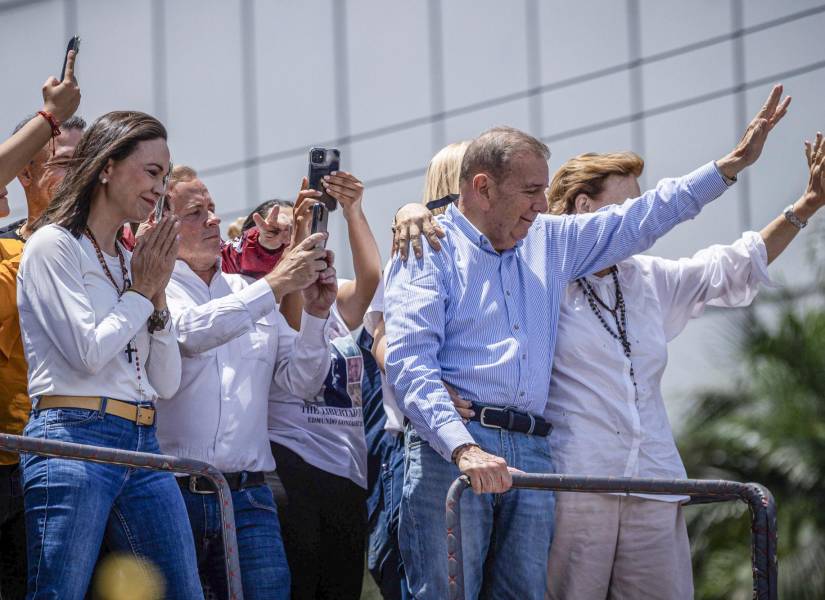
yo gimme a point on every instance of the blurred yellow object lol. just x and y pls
(126, 577)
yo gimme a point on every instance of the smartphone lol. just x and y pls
(320, 218)
(74, 44)
(160, 207)
(323, 161)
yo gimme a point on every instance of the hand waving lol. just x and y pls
(815, 153)
(750, 147)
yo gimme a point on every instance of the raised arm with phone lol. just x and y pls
(60, 101)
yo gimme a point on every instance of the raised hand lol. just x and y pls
(750, 147)
(153, 259)
(410, 221)
(275, 230)
(815, 154)
(302, 212)
(299, 267)
(320, 295)
(61, 98)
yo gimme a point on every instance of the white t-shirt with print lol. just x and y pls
(328, 430)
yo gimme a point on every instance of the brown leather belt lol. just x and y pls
(197, 484)
(142, 415)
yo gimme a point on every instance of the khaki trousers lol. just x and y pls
(618, 547)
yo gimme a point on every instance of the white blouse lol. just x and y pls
(76, 330)
(600, 428)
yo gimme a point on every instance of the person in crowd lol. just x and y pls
(318, 443)
(234, 229)
(505, 266)
(101, 351)
(235, 344)
(382, 417)
(24, 150)
(622, 318)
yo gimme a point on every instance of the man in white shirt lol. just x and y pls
(235, 344)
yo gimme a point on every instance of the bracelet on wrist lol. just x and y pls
(131, 289)
(52, 121)
(791, 217)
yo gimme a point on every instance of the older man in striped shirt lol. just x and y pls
(481, 316)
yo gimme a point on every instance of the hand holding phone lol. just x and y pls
(160, 207)
(74, 44)
(320, 219)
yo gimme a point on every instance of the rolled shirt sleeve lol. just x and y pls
(720, 275)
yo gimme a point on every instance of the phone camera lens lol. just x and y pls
(318, 156)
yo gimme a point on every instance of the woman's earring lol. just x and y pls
(104, 181)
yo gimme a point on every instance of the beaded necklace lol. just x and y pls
(131, 347)
(619, 317)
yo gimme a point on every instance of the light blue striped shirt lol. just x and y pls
(485, 322)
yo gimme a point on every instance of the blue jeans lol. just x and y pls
(264, 570)
(71, 505)
(383, 556)
(506, 537)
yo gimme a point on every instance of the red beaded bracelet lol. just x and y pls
(53, 123)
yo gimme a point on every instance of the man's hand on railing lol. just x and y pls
(488, 473)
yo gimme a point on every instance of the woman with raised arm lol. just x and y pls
(606, 401)
(100, 350)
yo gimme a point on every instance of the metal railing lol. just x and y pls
(701, 491)
(154, 462)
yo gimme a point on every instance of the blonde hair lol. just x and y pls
(234, 230)
(443, 174)
(586, 174)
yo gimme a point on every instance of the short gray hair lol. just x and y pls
(493, 150)
(74, 122)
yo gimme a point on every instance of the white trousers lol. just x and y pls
(618, 547)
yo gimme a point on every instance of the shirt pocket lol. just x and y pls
(261, 341)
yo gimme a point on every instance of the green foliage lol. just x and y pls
(770, 428)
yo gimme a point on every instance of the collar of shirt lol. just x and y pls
(471, 232)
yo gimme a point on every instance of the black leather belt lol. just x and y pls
(511, 420)
(198, 484)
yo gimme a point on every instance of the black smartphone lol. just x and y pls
(320, 218)
(74, 44)
(160, 206)
(323, 161)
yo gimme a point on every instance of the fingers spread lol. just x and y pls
(272, 216)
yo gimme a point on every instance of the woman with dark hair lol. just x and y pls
(101, 352)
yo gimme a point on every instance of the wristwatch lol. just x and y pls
(158, 320)
(791, 217)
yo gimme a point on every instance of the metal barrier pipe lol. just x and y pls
(154, 462)
(759, 500)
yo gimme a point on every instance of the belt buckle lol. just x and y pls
(193, 487)
(144, 415)
(482, 421)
